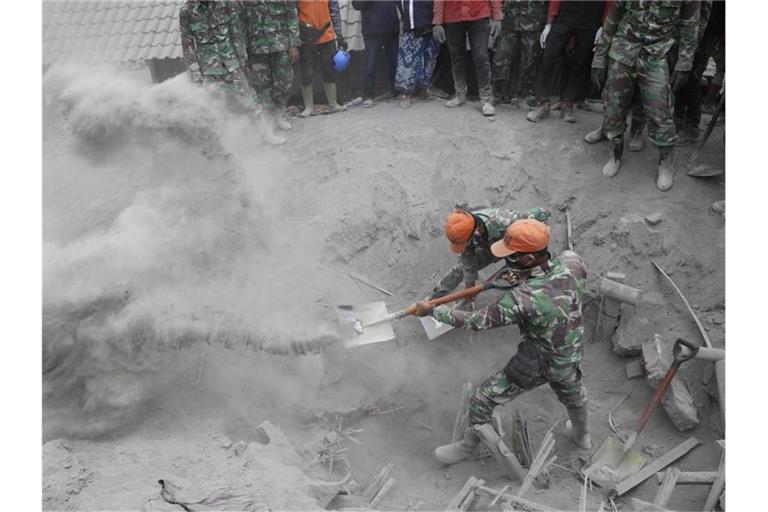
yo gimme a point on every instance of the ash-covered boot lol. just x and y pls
(330, 93)
(309, 100)
(457, 452)
(636, 136)
(612, 166)
(666, 174)
(579, 430)
(595, 136)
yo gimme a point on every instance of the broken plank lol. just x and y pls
(380, 495)
(568, 230)
(691, 477)
(644, 506)
(667, 487)
(654, 466)
(717, 486)
(517, 502)
(465, 493)
(462, 414)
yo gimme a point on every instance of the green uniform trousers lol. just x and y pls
(271, 78)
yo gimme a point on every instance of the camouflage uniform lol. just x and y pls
(634, 44)
(478, 255)
(523, 21)
(546, 306)
(272, 27)
(213, 43)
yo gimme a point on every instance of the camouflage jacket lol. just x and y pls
(478, 255)
(651, 27)
(271, 26)
(213, 42)
(546, 306)
(524, 15)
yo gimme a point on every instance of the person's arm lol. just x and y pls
(688, 31)
(292, 23)
(188, 47)
(333, 7)
(501, 312)
(496, 11)
(449, 282)
(502, 217)
(611, 23)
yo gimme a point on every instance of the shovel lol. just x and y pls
(615, 461)
(363, 324)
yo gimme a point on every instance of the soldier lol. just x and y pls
(272, 31)
(523, 21)
(545, 301)
(214, 48)
(471, 234)
(632, 52)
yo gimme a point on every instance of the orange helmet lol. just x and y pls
(524, 235)
(459, 227)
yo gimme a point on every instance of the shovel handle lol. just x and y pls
(445, 299)
(657, 396)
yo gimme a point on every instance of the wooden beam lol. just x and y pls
(654, 466)
(519, 503)
(717, 487)
(691, 477)
(465, 493)
(667, 487)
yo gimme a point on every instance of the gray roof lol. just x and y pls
(100, 31)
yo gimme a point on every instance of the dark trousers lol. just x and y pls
(313, 56)
(374, 45)
(576, 73)
(688, 97)
(478, 31)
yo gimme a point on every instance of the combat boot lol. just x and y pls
(567, 112)
(457, 100)
(457, 452)
(666, 174)
(541, 112)
(636, 137)
(595, 136)
(578, 426)
(611, 168)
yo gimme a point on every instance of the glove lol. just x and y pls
(438, 34)
(544, 34)
(598, 34)
(598, 77)
(494, 32)
(423, 309)
(679, 78)
(341, 43)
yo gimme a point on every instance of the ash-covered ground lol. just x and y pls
(187, 265)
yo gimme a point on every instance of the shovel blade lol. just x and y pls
(608, 467)
(358, 315)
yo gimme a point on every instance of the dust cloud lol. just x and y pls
(164, 228)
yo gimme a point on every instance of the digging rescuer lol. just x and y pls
(545, 302)
(471, 234)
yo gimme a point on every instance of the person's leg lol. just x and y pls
(526, 43)
(372, 44)
(639, 123)
(261, 79)
(306, 60)
(282, 78)
(479, 31)
(619, 91)
(329, 75)
(577, 72)
(455, 34)
(691, 92)
(428, 50)
(407, 66)
(656, 94)
(567, 384)
(391, 53)
(546, 75)
(502, 59)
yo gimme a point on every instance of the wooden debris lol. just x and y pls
(423, 425)
(611, 424)
(380, 495)
(654, 466)
(517, 502)
(717, 486)
(667, 487)
(691, 477)
(466, 496)
(500, 451)
(362, 279)
(521, 444)
(616, 276)
(540, 462)
(462, 414)
(498, 496)
(203, 355)
(583, 496)
(380, 479)
(568, 230)
(644, 506)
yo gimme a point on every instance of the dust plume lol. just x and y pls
(164, 227)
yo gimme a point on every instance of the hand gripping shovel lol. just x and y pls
(613, 461)
(370, 323)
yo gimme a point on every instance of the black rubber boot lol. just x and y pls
(636, 136)
(457, 452)
(579, 430)
(666, 174)
(611, 168)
